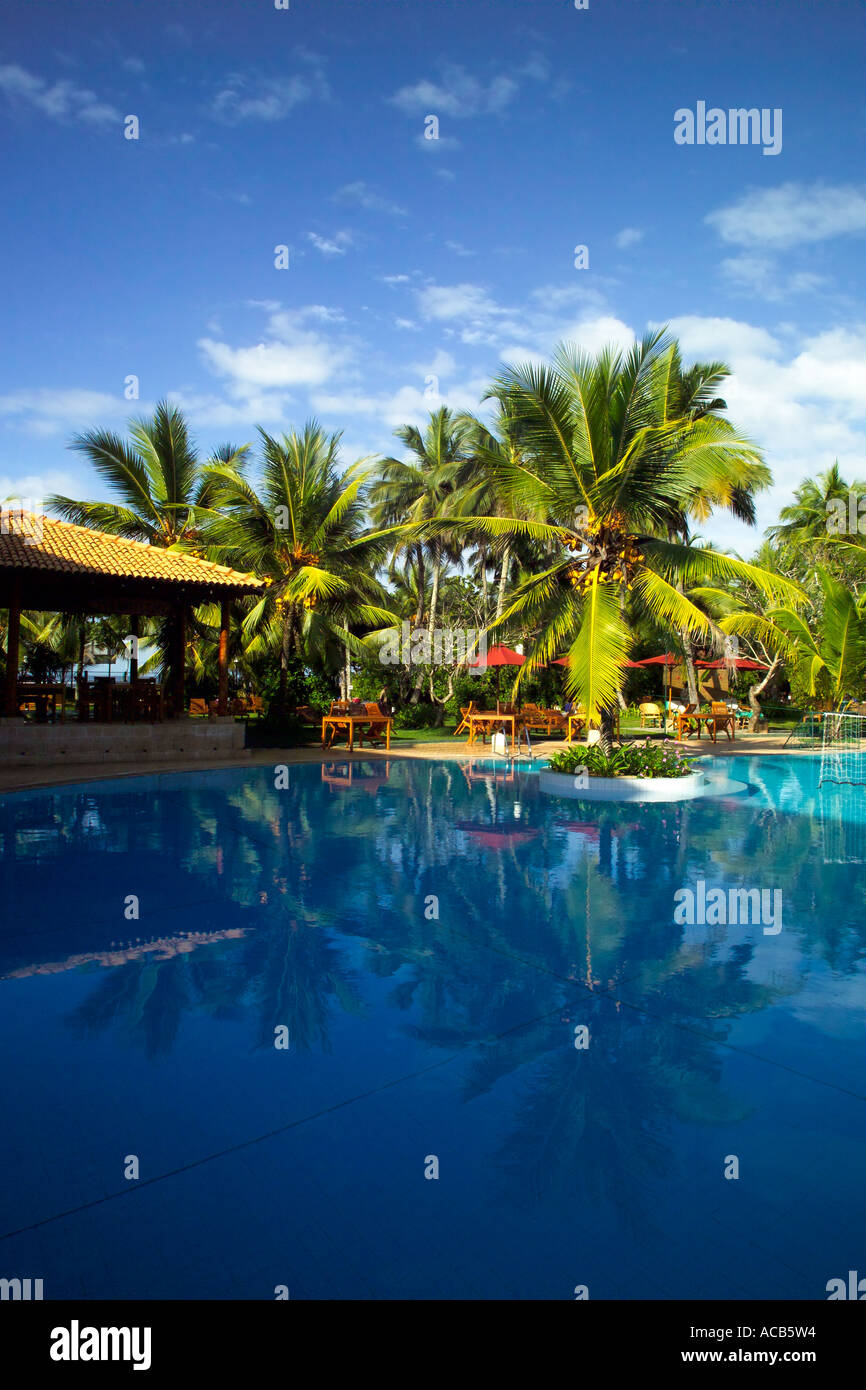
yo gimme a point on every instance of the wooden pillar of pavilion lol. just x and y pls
(13, 637)
(179, 659)
(223, 703)
(133, 660)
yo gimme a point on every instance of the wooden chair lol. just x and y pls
(684, 723)
(650, 716)
(198, 709)
(379, 728)
(723, 718)
(465, 711)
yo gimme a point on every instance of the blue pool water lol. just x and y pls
(411, 1036)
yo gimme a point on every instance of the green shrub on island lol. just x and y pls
(632, 760)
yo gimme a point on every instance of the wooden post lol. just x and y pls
(179, 645)
(13, 637)
(133, 661)
(223, 705)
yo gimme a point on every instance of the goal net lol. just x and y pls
(843, 749)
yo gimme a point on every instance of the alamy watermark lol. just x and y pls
(846, 516)
(714, 907)
(737, 126)
(22, 516)
(445, 646)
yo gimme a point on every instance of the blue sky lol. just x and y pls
(417, 266)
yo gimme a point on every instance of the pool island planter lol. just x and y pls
(623, 788)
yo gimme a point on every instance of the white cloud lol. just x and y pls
(441, 364)
(804, 406)
(293, 355)
(629, 236)
(466, 301)
(791, 215)
(207, 411)
(303, 363)
(760, 275)
(722, 337)
(408, 325)
(338, 245)
(458, 94)
(33, 487)
(552, 314)
(62, 100)
(251, 97)
(459, 249)
(442, 142)
(360, 194)
(47, 412)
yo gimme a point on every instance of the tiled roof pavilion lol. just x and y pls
(53, 566)
(57, 558)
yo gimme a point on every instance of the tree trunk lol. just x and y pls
(434, 596)
(483, 563)
(691, 677)
(284, 668)
(420, 578)
(758, 689)
(607, 729)
(503, 580)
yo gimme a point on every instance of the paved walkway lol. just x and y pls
(19, 779)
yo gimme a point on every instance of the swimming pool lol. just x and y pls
(431, 938)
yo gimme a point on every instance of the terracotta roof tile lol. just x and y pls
(39, 544)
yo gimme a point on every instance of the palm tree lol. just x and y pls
(302, 531)
(692, 394)
(607, 477)
(805, 519)
(828, 652)
(156, 474)
(415, 491)
(480, 482)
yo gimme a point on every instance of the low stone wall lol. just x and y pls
(40, 745)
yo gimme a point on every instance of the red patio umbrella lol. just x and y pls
(497, 836)
(739, 663)
(563, 661)
(497, 656)
(667, 660)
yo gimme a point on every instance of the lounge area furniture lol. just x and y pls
(365, 718)
(576, 725)
(533, 717)
(465, 711)
(651, 716)
(45, 697)
(482, 722)
(718, 718)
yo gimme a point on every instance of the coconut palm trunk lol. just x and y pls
(503, 581)
(756, 690)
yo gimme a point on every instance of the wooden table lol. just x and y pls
(480, 721)
(711, 721)
(41, 694)
(119, 700)
(351, 722)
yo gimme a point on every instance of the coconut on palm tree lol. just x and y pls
(608, 472)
